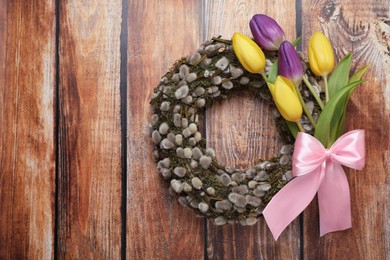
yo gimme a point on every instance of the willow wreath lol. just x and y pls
(194, 83)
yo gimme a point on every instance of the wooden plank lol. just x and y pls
(27, 155)
(89, 218)
(361, 27)
(248, 134)
(158, 227)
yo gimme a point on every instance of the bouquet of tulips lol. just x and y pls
(287, 74)
(316, 160)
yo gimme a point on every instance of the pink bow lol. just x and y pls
(318, 170)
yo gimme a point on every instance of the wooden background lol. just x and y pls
(77, 178)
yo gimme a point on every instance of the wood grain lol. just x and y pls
(242, 131)
(158, 227)
(89, 224)
(361, 27)
(27, 157)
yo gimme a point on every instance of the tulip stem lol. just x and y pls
(313, 92)
(326, 88)
(307, 112)
(264, 76)
(300, 127)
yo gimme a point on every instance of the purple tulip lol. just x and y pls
(266, 32)
(289, 63)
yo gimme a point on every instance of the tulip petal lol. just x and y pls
(321, 57)
(266, 32)
(286, 99)
(288, 104)
(248, 53)
(313, 62)
(289, 63)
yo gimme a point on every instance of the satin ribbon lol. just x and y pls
(318, 170)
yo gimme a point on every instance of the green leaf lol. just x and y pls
(329, 120)
(355, 77)
(338, 121)
(293, 128)
(273, 73)
(358, 75)
(339, 77)
(340, 127)
(297, 40)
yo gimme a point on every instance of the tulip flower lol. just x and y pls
(266, 32)
(290, 67)
(321, 58)
(248, 53)
(289, 63)
(286, 99)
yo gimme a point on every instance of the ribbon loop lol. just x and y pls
(318, 170)
(349, 150)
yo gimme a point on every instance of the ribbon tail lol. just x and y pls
(334, 200)
(290, 201)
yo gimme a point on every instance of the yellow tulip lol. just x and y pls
(321, 58)
(248, 53)
(286, 99)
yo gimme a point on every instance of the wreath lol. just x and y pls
(271, 68)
